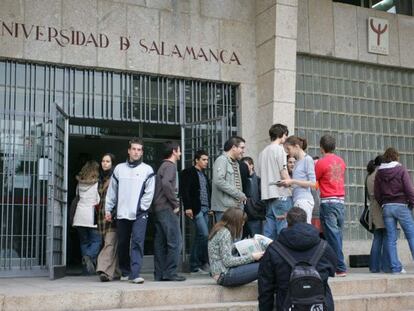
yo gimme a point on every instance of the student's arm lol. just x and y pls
(377, 189)
(310, 173)
(112, 193)
(281, 160)
(219, 179)
(226, 252)
(408, 187)
(148, 195)
(168, 177)
(111, 198)
(267, 283)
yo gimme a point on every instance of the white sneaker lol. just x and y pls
(124, 278)
(403, 271)
(138, 280)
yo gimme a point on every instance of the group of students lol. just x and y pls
(391, 194)
(113, 207)
(111, 210)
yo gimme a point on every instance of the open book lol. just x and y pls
(258, 243)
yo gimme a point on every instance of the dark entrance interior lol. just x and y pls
(89, 140)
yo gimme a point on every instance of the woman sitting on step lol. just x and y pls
(226, 268)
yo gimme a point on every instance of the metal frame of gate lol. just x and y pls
(33, 187)
(57, 193)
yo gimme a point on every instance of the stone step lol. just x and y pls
(371, 284)
(372, 302)
(224, 306)
(375, 302)
(76, 293)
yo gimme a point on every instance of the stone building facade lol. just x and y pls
(195, 68)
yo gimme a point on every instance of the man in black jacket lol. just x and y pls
(195, 193)
(301, 239)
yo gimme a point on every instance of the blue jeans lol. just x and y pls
(276, 208)
(167, 244)
(255, 227)
(199, 255)
(218, 216)
(332, 219)
(392, 213)
(379, 260)
(90, 242)
(239, 275)
(131, 237)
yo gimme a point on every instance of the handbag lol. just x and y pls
(364, 218)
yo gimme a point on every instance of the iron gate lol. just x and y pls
(32, 155)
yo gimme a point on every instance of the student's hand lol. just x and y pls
(176, 210)
(189, 213)
(286, 183)
(108, 217)
(243, 199)
(257, 255)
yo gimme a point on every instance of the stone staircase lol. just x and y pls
(358, 291)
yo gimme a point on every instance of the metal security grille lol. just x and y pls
(57, 192)
(93, 94)
(23, 192)
(33, 143)
(367, 108)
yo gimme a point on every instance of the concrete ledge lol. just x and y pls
(375, 302)
(358, 291)
(225, 306)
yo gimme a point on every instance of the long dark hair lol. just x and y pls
(105, 174)
(233, 219)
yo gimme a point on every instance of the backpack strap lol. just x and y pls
(318, 253)
(284, 253)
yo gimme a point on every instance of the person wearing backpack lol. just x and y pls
(302, 243)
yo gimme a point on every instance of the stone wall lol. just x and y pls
(276, 30)
(340, 30)
(179, 28)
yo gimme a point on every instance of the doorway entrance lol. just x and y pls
(89, 140)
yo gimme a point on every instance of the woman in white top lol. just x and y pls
(84, 219)
(303, 175)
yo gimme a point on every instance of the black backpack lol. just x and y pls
(306, 289)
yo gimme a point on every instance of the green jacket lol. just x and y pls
(224, 193)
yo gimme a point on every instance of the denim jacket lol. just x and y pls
(224, 191)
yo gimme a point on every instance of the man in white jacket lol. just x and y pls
(130, 192)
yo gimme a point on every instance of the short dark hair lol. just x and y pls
(391, 154)
(248, 160)
(277, 131)
(199, 154)
(233, 141)
(135, 140)
(327, 143)
(295, 215)
(168, 148)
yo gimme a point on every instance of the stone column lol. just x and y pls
(276, 34)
